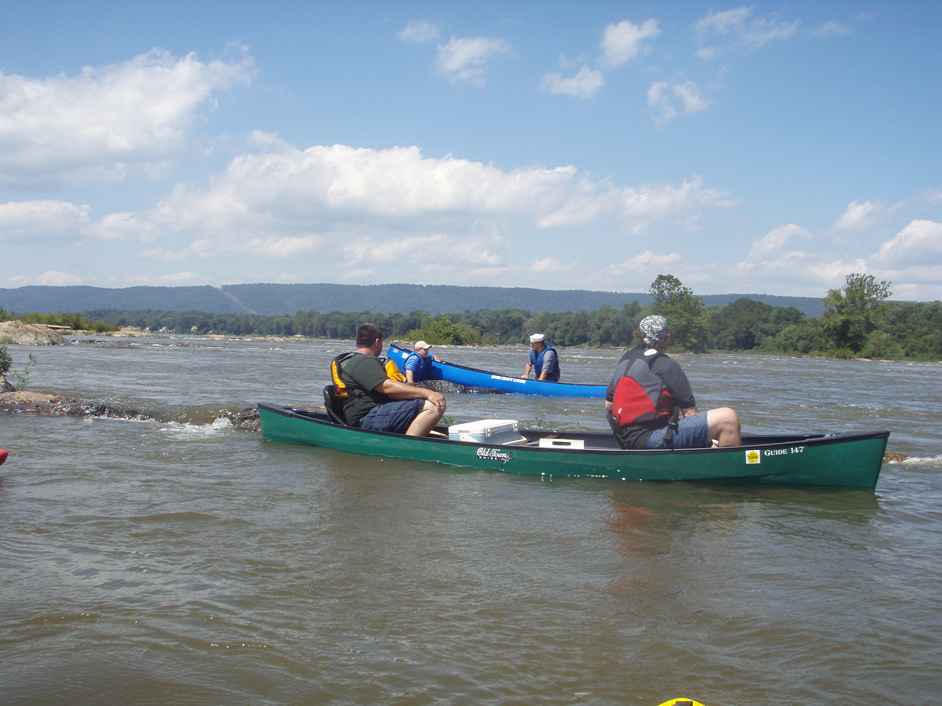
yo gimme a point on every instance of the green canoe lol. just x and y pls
(838, 460)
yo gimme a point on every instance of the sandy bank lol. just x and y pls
(22, 334)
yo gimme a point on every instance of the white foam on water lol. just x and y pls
(219, 425)
(921, 461)
(136, 419)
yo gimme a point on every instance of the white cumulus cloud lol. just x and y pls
(773, 243)
(668, 101)
(857, 216)
(290, 191)
(548, 265)
(584, 84)
(419, 31)
(831, 28)
(623, 41)
(52, 278)
(286, 246)
(466, 58)
(384, 204)
(22, 220)
(919, 243)
(104, 120)
(440, 252)
(742, 27)
(121, 226)
(646, 261)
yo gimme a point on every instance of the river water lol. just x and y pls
(172, 559)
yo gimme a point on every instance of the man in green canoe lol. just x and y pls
(650, 403)
(371, 400)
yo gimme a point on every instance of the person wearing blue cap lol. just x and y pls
(650, 404)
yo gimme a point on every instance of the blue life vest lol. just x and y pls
(422, 372)
(536, 360)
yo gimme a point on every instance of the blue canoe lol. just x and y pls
(472, 377)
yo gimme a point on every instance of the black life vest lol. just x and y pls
(640, 395)
(343, 390)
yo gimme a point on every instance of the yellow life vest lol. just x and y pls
(393, 372)
(341, 391)
(340, 387)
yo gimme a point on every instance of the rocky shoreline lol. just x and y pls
(46, 404)
(23, 334)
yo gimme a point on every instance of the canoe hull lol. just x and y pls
(849, 461)
(472, 377)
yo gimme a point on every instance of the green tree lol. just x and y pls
(5, 360)
(686, 314)
(851, 313)
(443, 331)
(746, 323)
(880, 344)
(805, 337)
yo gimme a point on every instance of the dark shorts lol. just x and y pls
(395, 416)
(692, 433)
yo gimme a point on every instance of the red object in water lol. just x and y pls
(3, 456)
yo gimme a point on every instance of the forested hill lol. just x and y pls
(386, 298)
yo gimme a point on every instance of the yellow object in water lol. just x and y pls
(681, 702)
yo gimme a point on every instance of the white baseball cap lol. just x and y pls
(536, 338)
(422, 345)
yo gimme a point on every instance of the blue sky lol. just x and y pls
(762, 147)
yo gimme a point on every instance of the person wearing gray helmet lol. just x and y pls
(650, 404)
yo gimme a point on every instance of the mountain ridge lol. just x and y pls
(273, 299)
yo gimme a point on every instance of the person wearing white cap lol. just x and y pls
(543, 361)
(418, 365)
(650, 404)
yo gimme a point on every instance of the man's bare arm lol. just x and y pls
(402, 391)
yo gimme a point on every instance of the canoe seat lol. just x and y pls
(333, 406)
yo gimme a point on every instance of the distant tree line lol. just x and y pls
(857, 321)
(77, 322)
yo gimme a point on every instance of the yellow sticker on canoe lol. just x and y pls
(753, 456)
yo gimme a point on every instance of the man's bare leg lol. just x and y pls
(426, 419)
(724, 426)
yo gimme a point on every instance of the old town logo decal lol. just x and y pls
(498, 455)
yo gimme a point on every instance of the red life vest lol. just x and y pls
(640, 396)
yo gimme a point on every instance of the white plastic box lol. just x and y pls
(487, 431)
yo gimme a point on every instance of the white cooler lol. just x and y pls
(487, 431)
